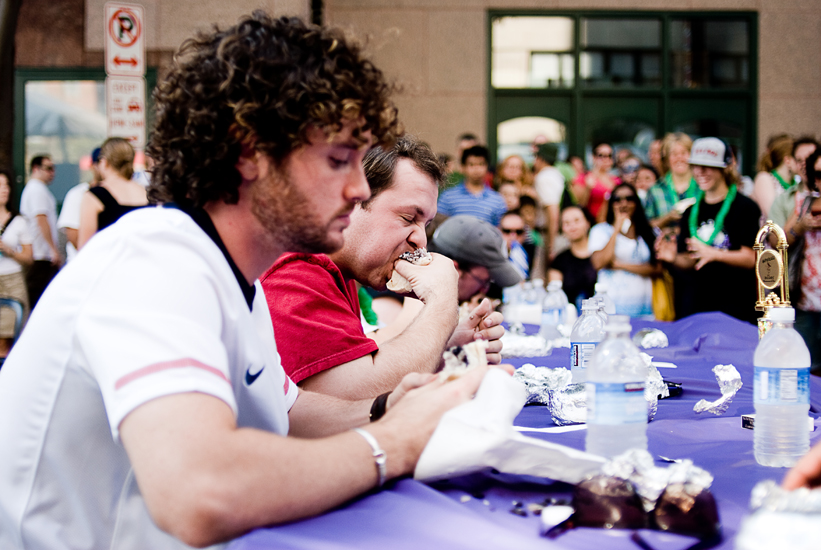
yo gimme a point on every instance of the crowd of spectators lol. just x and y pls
(679, 212)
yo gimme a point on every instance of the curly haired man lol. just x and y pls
(157, 414)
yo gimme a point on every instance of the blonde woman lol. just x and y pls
(117, 195)
(676, 184)
(514, 170)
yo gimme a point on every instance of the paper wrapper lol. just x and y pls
(650, 481)
(479, 434)
(781, 519)
(729, 382)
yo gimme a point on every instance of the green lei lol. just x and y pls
(365, 304)
(670, 190)
(719, 222)
(778, 177)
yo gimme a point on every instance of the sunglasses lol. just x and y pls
(604, 155)
(517, 231)
(620, 198)
(47, 168)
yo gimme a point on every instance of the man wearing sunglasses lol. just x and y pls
(513, 232)
(38, 205)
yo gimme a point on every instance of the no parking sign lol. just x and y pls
(124, 39)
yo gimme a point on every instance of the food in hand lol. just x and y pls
(461, 359)
(398, 283)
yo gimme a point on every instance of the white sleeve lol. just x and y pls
(70, 213)
(144, 334)
(599, 235)
(18, 231)
(34, 202)
(549, 186)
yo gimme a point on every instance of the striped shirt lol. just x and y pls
(487, 205)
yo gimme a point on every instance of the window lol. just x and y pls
(623, 77)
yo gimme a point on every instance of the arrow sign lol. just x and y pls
(119, 61)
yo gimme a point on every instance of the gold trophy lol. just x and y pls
(771, 272)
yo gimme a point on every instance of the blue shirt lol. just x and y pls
(487, 205)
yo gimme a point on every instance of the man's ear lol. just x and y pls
(248, 163)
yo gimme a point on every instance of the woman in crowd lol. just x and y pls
(717, 234)
(510, 193)
(622, 252)
(593, 188)
(676, 185)
(646, 177)
(15, 246)
(804, 226)
(117, 195)
(573, 266)
(514, 170)
(776, 172)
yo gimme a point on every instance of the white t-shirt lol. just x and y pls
(15, 236)
(549, 184)
(632, 294)
(35, 200)
(70, 214)
(151, 308)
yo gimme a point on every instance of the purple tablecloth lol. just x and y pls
(473, 512)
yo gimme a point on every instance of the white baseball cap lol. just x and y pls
(710, 151)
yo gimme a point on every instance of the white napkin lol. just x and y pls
(480, 434)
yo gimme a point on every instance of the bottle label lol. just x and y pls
(581, 353)
(782, 386)
(616, 403)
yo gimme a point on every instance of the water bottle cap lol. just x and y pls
(554, 285)
(782, 315)
(617, 323)
(590, 304)
(600, 287)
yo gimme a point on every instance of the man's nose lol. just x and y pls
(356, 187)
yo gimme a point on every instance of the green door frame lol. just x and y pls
(578, 95)
(22, 75)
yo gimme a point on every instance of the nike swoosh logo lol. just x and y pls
(250, 378)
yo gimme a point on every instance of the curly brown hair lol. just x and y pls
(260, 84)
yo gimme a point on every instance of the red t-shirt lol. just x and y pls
(315, 313)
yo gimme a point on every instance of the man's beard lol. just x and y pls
(287, 215)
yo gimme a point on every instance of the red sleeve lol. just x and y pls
(315, 314)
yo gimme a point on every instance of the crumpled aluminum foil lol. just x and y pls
(729, 382)
(650, 481)
(650, 338)
(781, 519)
(515, 343)
(566, 402)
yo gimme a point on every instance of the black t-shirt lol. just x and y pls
(718, 286)
(579, 276)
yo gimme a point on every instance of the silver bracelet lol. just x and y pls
(379, 455)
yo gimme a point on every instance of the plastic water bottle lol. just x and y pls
(601, 292)
(511, 300)
(616, 408)
(782, 393)
(587, 332)
(554, 308)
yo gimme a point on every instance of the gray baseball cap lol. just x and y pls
(471, 240)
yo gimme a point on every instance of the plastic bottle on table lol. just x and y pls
(601, 292)
(781, 393)
(616, 408)
(587, 332)
(554, 308)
